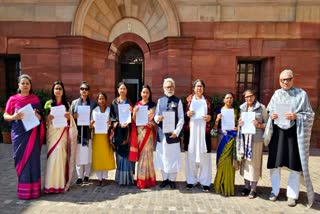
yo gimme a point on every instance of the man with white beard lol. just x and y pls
(167, 157)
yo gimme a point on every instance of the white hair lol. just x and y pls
(286, 72)
(169, 80)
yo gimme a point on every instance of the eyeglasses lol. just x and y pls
(249, 96)
(169, 87)
(286, 80)
(84, 89)
(58, 89)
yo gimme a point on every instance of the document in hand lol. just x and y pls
(247, 118)
(168, 123)
(142, 116)
(124, 113)
(100, 123)
(59, 119)
(29, 120)
(84, 116)
(227, 120)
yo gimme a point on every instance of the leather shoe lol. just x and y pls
(245, 192)
(79, 181)
(164, 183)
(86, 180)
(252, 194)
(189, 186)
(172, 185)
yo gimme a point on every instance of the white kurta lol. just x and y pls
(197, 157)
(168, 157)
(84, 154)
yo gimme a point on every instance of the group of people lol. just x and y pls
(286, 131)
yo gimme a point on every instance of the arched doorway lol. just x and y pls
(131, 69)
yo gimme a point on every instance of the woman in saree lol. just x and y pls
(102, 151)
(121, 139)
(224, 179)
(143, 139)
(26, 144)
(61, 144)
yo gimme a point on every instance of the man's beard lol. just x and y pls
(169, 94)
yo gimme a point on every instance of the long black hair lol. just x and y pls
(64, 97)
(150, 93)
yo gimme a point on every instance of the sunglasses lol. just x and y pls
(58, 89)
(249, 96)
(286, 80)
(84, 89)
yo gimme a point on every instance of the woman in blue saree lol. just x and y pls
(224, 179)
(26, 144)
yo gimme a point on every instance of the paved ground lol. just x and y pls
(114, 199)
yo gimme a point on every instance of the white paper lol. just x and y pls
(168, 123)
(227, 120)
(198, 107)
(124, 113)
(84, 116)
(30, 119)
(247, 118)
(100, 123)
(280, 110)
(142, 116)
(59, 119)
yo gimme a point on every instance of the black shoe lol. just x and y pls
(86, 180)
(252, 194)
(172, 185)
(164, 183)
(189, 186)
(205, 188)
(79, 181)
(245, 192)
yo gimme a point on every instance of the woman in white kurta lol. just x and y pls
(197, 138)
(84, 146)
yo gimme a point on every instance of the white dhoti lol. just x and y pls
(168, 159)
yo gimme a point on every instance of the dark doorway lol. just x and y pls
(10, 70)
(130, 70)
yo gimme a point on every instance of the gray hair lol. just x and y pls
(286, 71)
(169, 80)
(25, 76)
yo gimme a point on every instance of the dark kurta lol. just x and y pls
(283, 149)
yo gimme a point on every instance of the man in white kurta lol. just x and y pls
(168, 158)
(289, 130)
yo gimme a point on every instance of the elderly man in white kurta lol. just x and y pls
(167, 158)
(291, 120)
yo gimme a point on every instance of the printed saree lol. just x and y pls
(142, 143)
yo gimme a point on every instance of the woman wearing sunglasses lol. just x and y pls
(61, 144)
(84, 147)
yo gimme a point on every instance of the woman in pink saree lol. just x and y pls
(61, 143)
(142, 142)
(26, 144)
